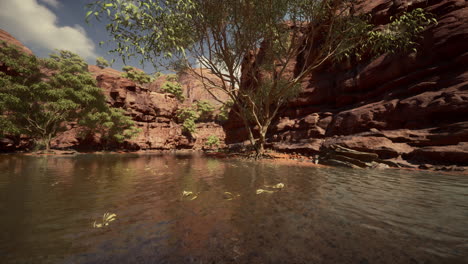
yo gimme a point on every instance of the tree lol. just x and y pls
(38, 96)
(265, 37)
(102, 63)
(111, 124)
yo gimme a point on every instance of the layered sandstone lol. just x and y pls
(410, 106)
(154, 113)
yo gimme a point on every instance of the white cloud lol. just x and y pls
(36, 26)
(52, 3)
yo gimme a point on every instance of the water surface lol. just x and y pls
(48, 206)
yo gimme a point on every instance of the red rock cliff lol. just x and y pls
(411, 106)
(154, 112)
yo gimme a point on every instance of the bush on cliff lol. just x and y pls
(224, 36)
(188, 116)
(102, 63)
(174, 88)
(39, 96)
(136, 75)
(212, 141)
(205, 109)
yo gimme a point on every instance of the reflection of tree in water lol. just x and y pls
(271, 226)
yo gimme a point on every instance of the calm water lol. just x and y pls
(48, 206)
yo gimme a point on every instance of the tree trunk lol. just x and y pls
(47, 142)
(260, 146)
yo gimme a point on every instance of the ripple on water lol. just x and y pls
(322, 215)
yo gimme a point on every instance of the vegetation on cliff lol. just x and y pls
(102, 63)
(135, 75)
(262, 37)
(200, 111)
(39, 96)
(174, 88)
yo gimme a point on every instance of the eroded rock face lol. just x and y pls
(154, 113)
(412, 106)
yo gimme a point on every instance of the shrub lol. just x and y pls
(112, 124)
(157, 75)
(172, 78)
(173, 88)
(136, 75)
(212, 141)
(102, 63)
(205, 109)
(188, 116)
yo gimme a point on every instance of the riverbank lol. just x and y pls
(270, 156)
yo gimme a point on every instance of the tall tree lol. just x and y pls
(259, 38)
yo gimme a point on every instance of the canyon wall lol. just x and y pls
(407, 107)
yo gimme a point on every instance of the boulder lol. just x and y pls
(447, 155)
(383, 147)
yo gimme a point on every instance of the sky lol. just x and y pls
(46, 25)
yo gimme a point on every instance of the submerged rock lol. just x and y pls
(336, 155)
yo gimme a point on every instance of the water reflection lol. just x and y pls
(48, 205)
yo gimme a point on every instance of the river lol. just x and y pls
(193, 209)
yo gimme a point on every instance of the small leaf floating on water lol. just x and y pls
(190, 194)
(276, 186)
(106, 219)
(259, 191)
(229, 196)
(186, 193)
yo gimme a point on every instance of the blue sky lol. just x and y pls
(45, 25)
